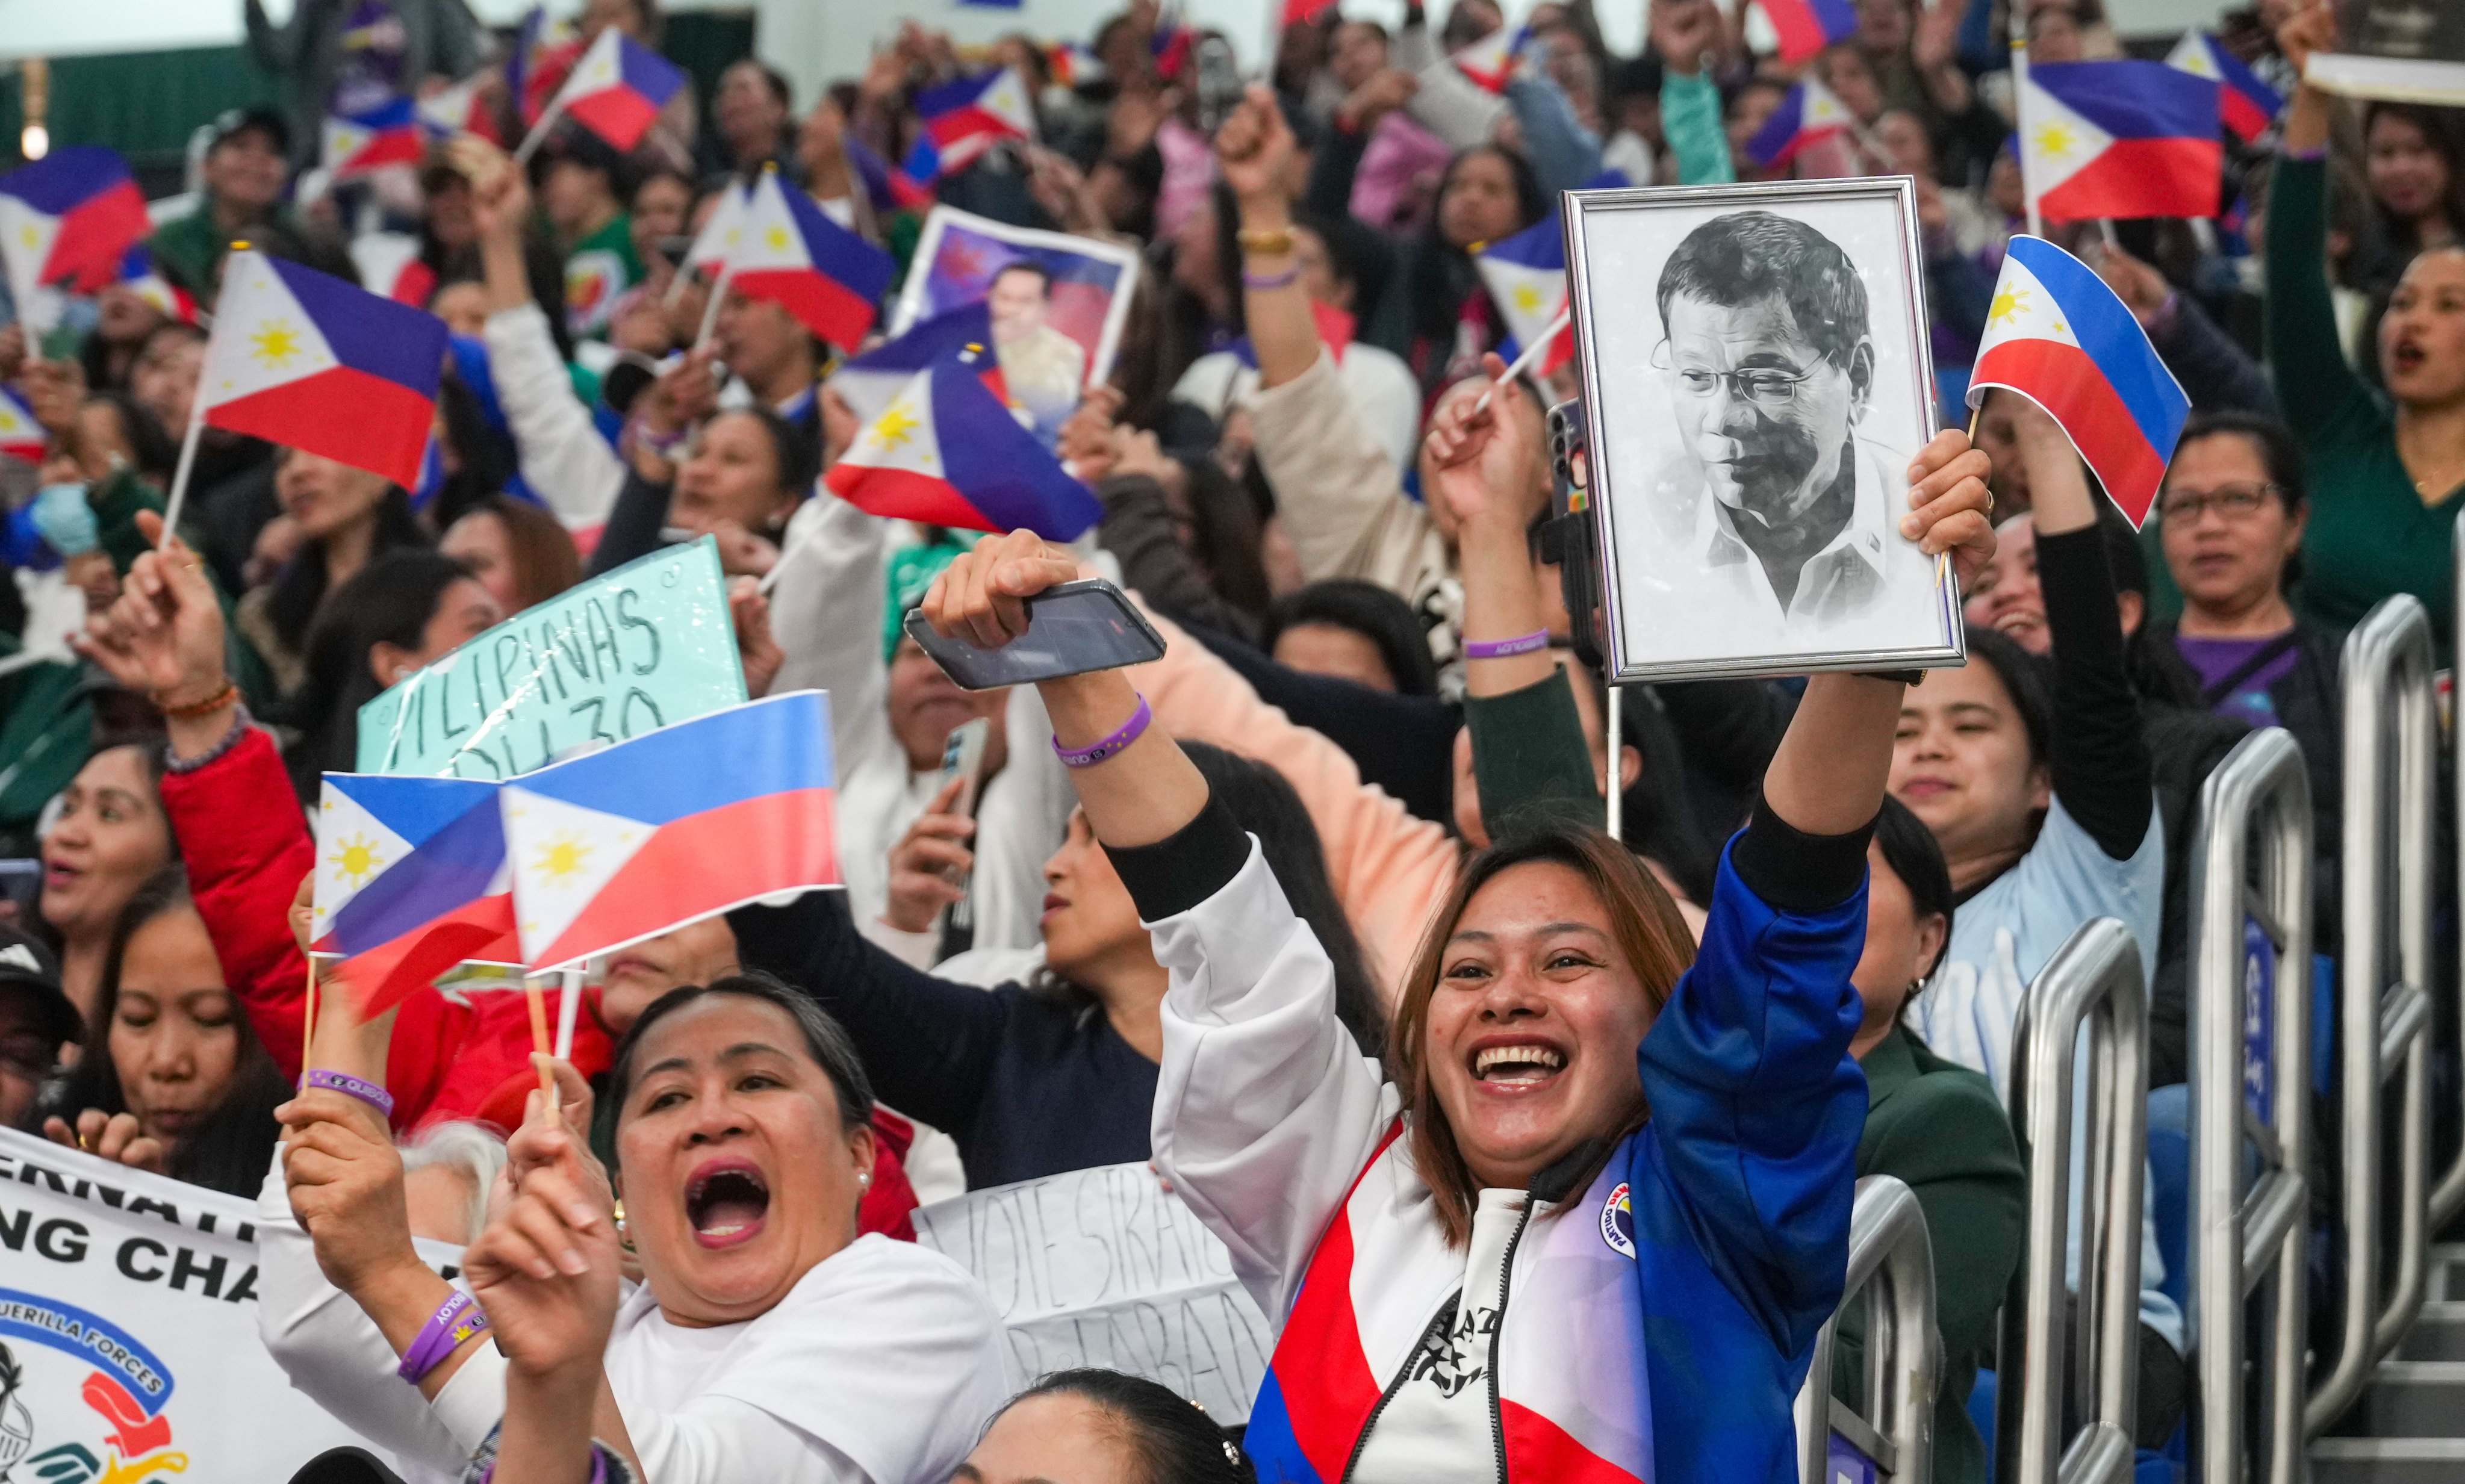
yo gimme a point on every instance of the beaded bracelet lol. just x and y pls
(1089, 756)
(1501, 649)
(457, 1319)
(173, 763)
(349, 1086)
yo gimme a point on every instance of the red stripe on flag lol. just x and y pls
(619, 114)
(2142, 177)
(95, 236)
(2064, 381)
(820, 303)
(2246, 119)
(1329, 1389)
(1299, 13)
(706, 863)
(897, 495)
(394, 146)
(368, 422)
(393, 971)
(1539, 1448)
(1799, 29)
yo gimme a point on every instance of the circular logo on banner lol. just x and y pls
(1617, 1221)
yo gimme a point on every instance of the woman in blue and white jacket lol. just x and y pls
(1654, 1162)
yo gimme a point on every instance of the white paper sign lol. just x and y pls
(1101, 1267)
(128, 1314)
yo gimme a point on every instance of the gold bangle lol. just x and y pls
(1266, 241)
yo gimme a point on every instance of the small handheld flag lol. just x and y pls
(1490, 62)
(1073, 63)
(1808, 115)
(1169, 47)
(69, 218)
(1526, 278)
(20, 435)
(615, 91)
(138, 275)
(459, 109)
(672, 827)
(947, 452)
(411, 880)
(964, 119)
(2247, 105)
(2119, 140)
(1806, 28)
(2058, 336)
(361, 143)
(869, 383)
(828, 278)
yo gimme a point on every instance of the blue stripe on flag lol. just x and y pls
(414, 809)
(647, 72)
(2112, 339)
(453, 869)
(842, 256)
(1541, 245)
(2134, 100)
(999, 468)
(691, 767)
(370, 333)
(66, 178)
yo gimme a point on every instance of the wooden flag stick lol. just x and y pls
(308, 1019)
(538, 1036)
(180, 475)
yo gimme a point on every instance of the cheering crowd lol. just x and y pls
(1315, 913)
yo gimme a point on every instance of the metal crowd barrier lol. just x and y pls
(2250, 1061)
(1889, 1254)
(2384, 1002)
(2093, 981)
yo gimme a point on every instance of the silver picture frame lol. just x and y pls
(1601, 240)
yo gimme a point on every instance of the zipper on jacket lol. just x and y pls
(1498, 1333)
(1439, 1323)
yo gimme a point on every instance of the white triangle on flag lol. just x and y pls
(26, 237)
(1006, 99)
(1528, 298)
(903, 436)
(1821, 108)
(2192, 54)
(345, 139)
(600, 69)
(353, 849)
(562, 854)
(2056, 142)
(2022, 309)
(770, 238)
(448, 110)
(262, 337)
(721, 234)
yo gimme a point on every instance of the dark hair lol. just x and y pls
(151, 450)
(545, 560)
(1443, 276)
(298, 594)
(1366, 608)
(1024, 265)
(780, 92)
(180, 328)
(1915, 856)
(2439, 131)
(228, 1152)
(1173, 1440)
(390, 601)
(2278, 453)
(484, 461)
(2024, 679)
(796, 450)
(665, 171)
(1355, 254)
(1737, 260)
(825, 1040)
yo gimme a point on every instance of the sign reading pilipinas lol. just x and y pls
(128, 1341)
(613, 658)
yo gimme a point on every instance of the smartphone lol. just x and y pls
(963, 757)
(1569, 538)
(1219, 82)
(21, 882)
(1071, 629)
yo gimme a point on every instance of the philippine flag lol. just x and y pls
(828, 278)
(2246, 105)
(672, 827)
(2119, 140)
(313, 363)
(1810, 113)
(1526, 278)
(459, 109)
(617, 89)
(1807, 27)
(137, 273)
(721, 233)
(69, 218)
(360, 143)
(869, 383)
(947, 452)
(1073, 63)
(887, 186)
(1170, 46)
(20, 435)
(2056, 335)
(964, 119)
(1490, 62)
(412, 879)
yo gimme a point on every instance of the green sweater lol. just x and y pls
(2370, 533)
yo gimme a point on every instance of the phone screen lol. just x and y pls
(1071, 629)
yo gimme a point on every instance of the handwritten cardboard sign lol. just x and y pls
(611, 658)
(1101, 1267)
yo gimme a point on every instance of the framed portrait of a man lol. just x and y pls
(1057, 304)
(1755, 381)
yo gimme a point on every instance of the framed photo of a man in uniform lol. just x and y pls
(1756, 380)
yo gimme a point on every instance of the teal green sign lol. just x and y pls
(615, 656)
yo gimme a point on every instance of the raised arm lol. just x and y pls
(2303, 349)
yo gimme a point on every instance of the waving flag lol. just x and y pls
(137, 273)
(1300, 12)
(617, 89)
(1808, 115)
(411, 880)
(313, 363)
(964, 119)
(68, 218)
(828, 278)
(360, 143)
(2119, 140)
(721, 233)
(20, 435)
(459, 109)
(1526, 278)
(1490, 62)
(1073, 62)
(1807, 27)
(2247, 105)
(1170, 46)
(672, 827)
(869, 383)
(2056, 335)
(947, 452)
(543, 54)
(886, 187)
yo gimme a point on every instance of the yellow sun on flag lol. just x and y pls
(2009, 304)
(778, 239)
(896, 427)
(356, 858)
(32, 235)
(274, 342)
(2054, 139)
(1527, 298)
(562, 858)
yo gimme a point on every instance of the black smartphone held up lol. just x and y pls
(1569, 538)
(1071, 629)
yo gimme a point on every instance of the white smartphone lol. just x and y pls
(963, 757)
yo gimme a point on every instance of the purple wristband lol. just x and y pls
(1089, 756)
(1501, 649)
(349, 1086)
(1270, 280)
(457, 1319)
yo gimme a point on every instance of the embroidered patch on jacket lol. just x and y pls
(1617, 1221)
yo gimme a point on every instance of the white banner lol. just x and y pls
(128, 1327)
(1101, 1267)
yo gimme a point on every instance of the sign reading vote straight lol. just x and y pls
(615, 656)
(128, 1328)
(1101, 1267)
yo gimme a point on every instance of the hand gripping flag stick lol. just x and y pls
(1523, 363)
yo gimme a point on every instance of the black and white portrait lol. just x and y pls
(1757, 381)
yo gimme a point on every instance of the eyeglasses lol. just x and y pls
(1770, 390)
(2234, 501)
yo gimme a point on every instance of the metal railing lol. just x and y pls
(2384, 1002)
(1892, 1260)
(2251, 1065)
(2093, 981)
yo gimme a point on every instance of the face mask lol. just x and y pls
(65, 520)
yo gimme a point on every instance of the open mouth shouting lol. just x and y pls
(726, 1202)
(1522, 1064)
